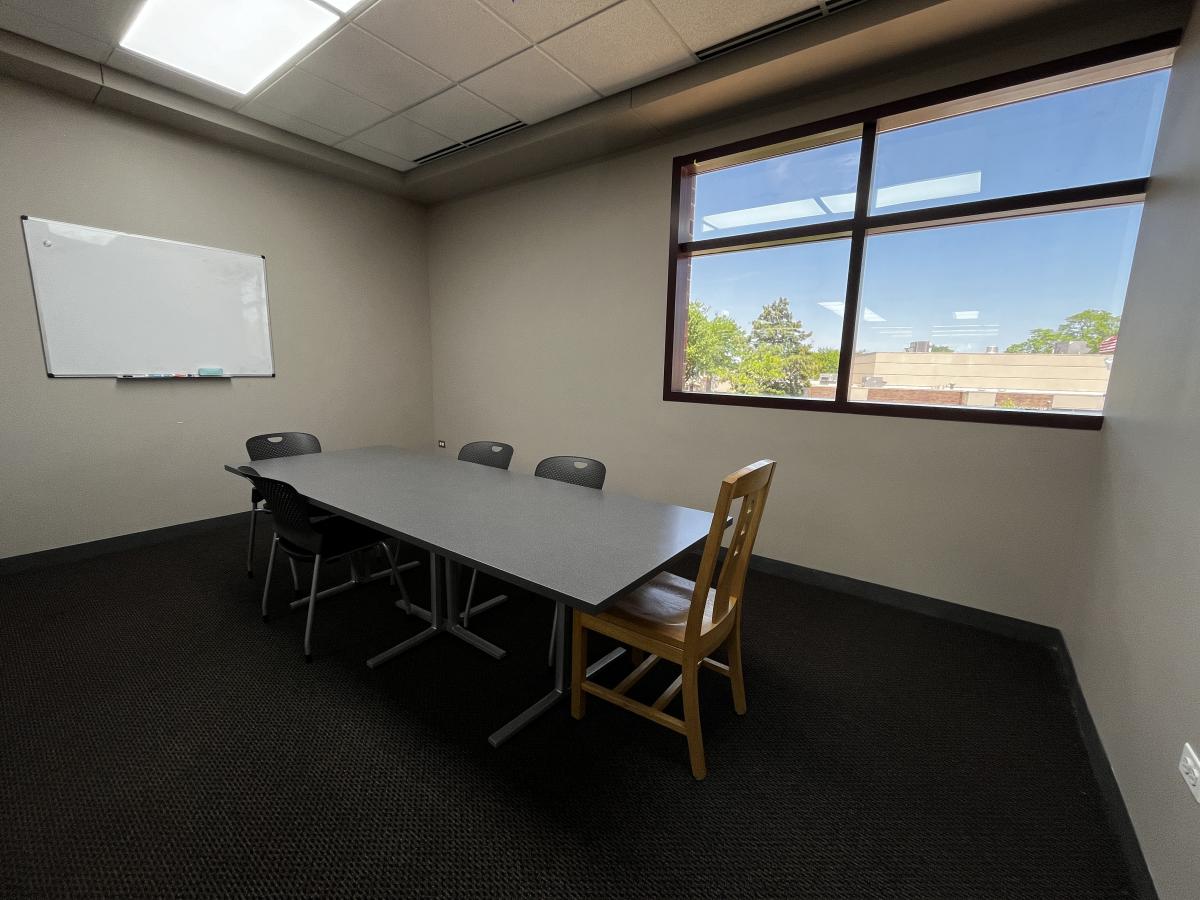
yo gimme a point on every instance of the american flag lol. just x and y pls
(1108, 345)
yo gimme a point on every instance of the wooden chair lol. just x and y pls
(683, 621)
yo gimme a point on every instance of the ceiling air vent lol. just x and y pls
(814, 13)
(488, 135)
(470, 142)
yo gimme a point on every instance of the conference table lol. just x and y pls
(580, 547)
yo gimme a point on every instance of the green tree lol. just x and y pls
(760, 371)
(824, 359)
(715, 346)
(941, 348)
(1090, 326)
(784, 364)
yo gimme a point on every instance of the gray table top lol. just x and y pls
(577, 545)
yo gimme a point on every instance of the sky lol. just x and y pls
(966, 286)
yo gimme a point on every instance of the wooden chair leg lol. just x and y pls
(734, 648)
(691, 717)
(578, 664)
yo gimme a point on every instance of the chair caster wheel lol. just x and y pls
(264, 618)
(249, 574)
(308, 657)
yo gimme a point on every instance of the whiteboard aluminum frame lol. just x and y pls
(121, 376)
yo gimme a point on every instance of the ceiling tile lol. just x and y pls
(702, 23)
(531, 86)
(625, 45)
(539, 19)
(404, 138)
(454, 37)
(256, 109)
(20, 22)
(366, 66)
(315, 100)
(103, 20)
(375, 155)
(459, 114)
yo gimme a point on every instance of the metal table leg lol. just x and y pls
(563, 619)
(505, 732)
(443, 594)
(426, 633)
(451, 623)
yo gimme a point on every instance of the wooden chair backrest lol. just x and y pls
(750, 485)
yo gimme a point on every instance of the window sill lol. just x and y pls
(1076, 421)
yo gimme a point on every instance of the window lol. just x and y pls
(965, 258)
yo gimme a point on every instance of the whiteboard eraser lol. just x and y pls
(210, 370)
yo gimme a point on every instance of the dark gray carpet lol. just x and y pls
(157, 739)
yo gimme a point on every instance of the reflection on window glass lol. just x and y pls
(1018, 313)
(802, 188)
(1091, 135)
(767, 321)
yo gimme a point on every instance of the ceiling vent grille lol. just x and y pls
(816, 12)
(470, 142)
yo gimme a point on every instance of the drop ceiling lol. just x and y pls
(401, 82)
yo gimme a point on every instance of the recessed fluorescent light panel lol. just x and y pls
(343, 5)
(761, 215)
(234, 44)
(930, 189)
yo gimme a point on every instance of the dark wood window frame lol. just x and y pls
(864, 123)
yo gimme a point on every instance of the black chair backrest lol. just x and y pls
(282, 443)
(487, 453)
(289, 509)
(573, 470)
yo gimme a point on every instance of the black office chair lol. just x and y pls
(498, 456)
(302, 537)
(487, 453)
(274, 446)
(573, 470)
(578, 470)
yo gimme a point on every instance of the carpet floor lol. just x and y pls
(158, 739)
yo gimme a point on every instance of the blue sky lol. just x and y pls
(967, 286)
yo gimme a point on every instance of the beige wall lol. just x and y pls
(86, 459)
(548, 302)
(1135, 639)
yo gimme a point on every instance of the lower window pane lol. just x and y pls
(767, 322)
(1017, 314)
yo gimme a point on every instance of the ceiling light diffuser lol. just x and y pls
(234, 44)
(760, 215)
(930, 189)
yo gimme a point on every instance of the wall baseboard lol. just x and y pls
(1018, 629)
(1008, 626)
(76, 552)
(1118, 813)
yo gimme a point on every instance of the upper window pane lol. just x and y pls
(802, 188)
(1089, 135)
(1018, 313)
(767, 322)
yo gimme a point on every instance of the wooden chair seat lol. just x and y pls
(682, 621)
(659, 609)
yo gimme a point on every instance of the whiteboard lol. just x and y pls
(112, 304)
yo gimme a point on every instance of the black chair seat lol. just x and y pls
(314, 512)
(336, 536)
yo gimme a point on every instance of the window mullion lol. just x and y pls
(858, 240)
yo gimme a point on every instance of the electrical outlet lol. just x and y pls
(442, 444)
(1189, 768)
